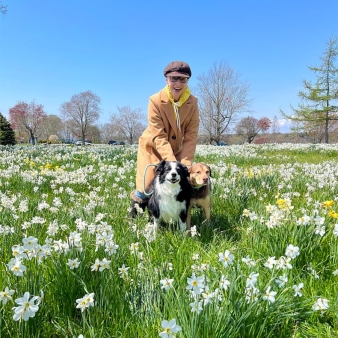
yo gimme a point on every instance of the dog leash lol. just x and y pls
(144, 179)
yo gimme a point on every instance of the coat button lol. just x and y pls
(173, 137)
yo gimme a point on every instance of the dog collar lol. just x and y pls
(198, 186)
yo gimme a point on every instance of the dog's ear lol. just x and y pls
(186, 172)
(160, 167)
(209, 171)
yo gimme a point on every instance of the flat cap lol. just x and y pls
(177, 68)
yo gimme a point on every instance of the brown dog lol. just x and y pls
(200, 174)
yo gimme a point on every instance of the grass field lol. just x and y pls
(73, 265)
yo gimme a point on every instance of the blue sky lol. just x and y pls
(51, 50)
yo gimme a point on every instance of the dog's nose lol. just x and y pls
(205, 179)
(173, 174)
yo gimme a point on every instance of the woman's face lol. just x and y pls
(176, 87)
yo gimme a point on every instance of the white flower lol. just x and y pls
(166, 283)
(27, 307)
(284, 263)
(134, 247)
(320, 230)
(16, 267)
(224, 283)
(170, 328)
(282, 280)
(252, 280)
(123, 271)
(193, 231)
(195, 257)
(196, 284)
(207, 296)
(321, 304)
(335, 272)
(251, 294)
(292, 251)
(298, 290)
(85, 302)
(29, 243)
(104, 264)
(248, 261)
(5, 295)
(226, 258)
(73, 263)
(196, 306)
(270, 263)
(269, 295)
(96, 265)
(335, 230)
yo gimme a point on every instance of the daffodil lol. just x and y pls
(27, 307)
(328, 204)
(6, 295)
(170, 328)
(269, 295)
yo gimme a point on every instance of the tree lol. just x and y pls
(3, 8)
(222, 97)
(51, 126)
(275, 128)
(316, 107)
(128, 123)
(249, 127)
(80, 112)
(264, 124)
(28, 118)
(7, 135)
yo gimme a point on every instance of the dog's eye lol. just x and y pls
(198, 172)
(207, 172)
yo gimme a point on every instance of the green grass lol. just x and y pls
(86, 190)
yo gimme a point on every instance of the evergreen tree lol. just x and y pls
(317, 110)
(7, 136)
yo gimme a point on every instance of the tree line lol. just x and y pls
(223, 100)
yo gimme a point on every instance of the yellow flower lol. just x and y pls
(31, 163)
(333, 214)
(246, 212)
(48, 166)
(27, 160)
(327, 204)
(284, 204)
(281, 203)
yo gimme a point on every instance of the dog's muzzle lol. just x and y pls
(174, 178)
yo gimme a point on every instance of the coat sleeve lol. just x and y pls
(190, 139)
(159, 136)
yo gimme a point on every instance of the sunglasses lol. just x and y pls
(176, 78)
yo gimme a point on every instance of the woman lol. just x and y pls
(171, 135)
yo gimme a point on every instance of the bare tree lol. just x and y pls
(249, 127)
(3, 8)
(66, 133)
(105, 131)
(275, 128)
(51, 126)
(128, 123)
(28, 118)
(81, 111)
(94, 133)
(222, 97)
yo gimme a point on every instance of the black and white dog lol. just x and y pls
(171, 194)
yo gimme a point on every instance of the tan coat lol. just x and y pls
(162, 140)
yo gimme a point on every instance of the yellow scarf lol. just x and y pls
(184, 97)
